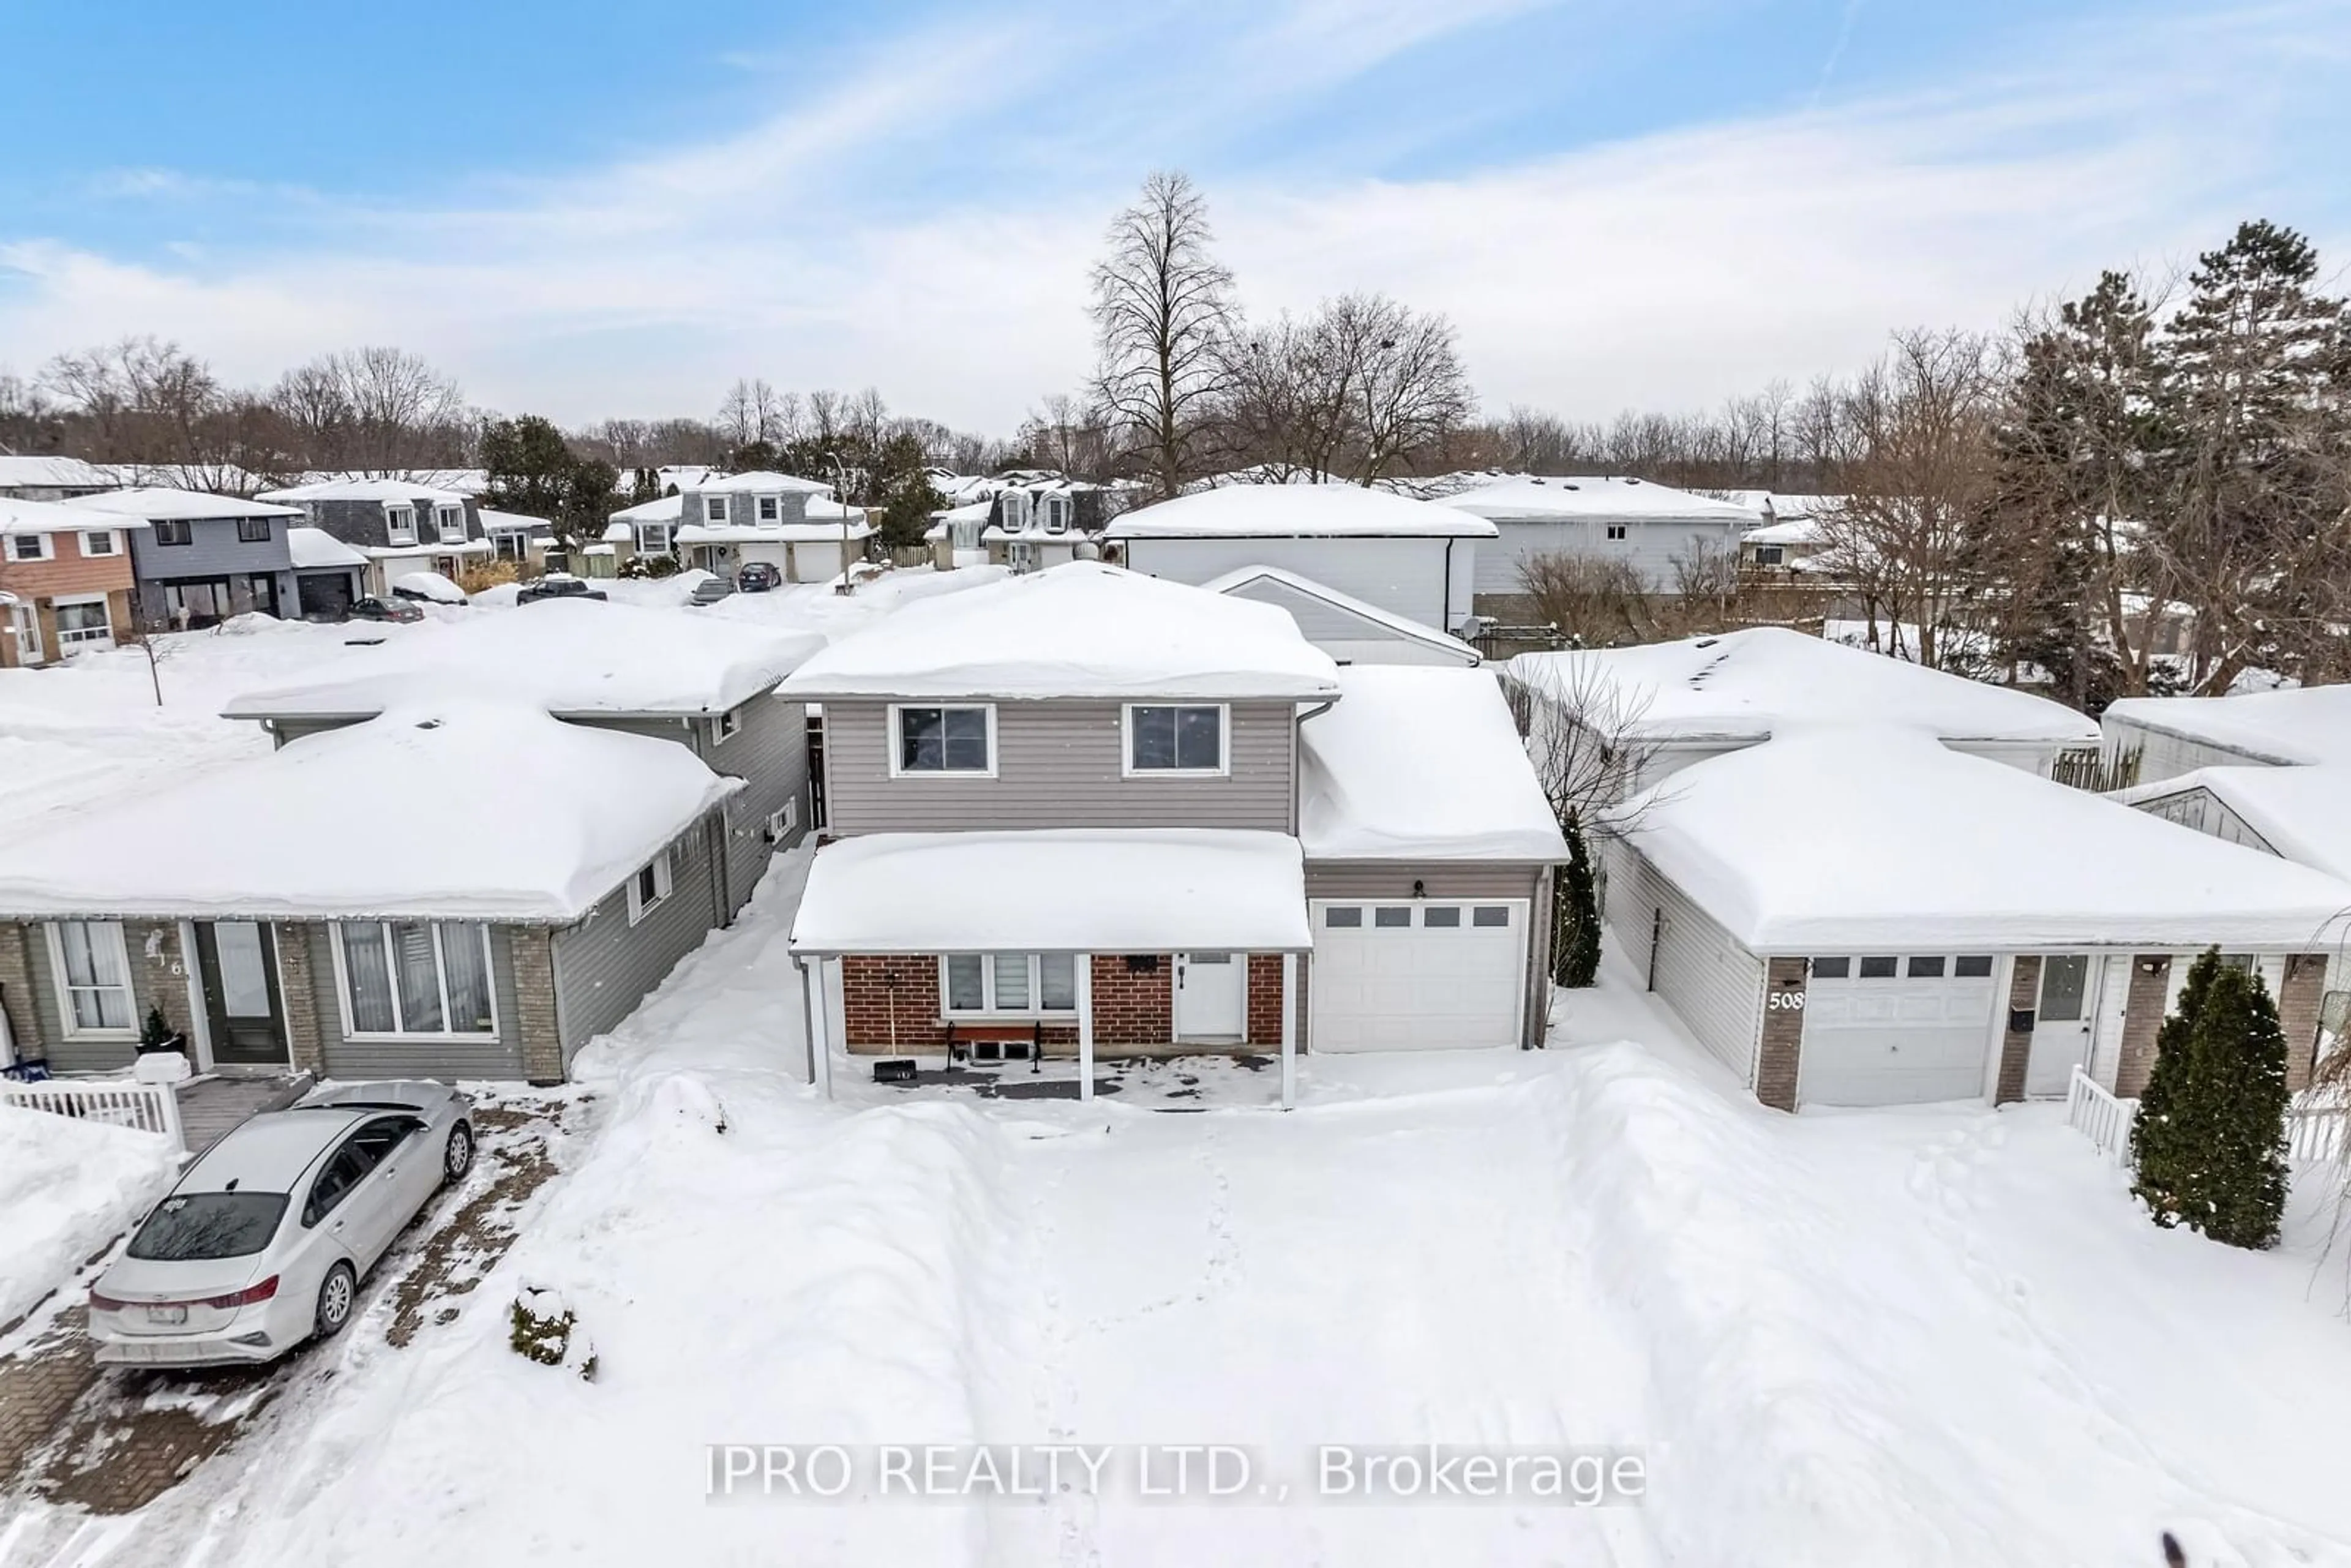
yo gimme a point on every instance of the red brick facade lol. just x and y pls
(893, 1003)
(2016, 1044)
(1779, 1055)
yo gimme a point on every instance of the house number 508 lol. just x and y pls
(1789, 1000)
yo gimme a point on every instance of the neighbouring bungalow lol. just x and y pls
(1650, 528)
(1351, 630)
(335, 907)
(1083, 811)
(2296, 727)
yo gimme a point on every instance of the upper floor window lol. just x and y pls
(99, 543)
(727, 725)
(451, 523)
(28, 547)
(771, 509)
(944, 740)
(1056, 512)
(1171, 740)
(713, 508)
(252, 530)
(1016, 511)
(173, 531)
(401, 521)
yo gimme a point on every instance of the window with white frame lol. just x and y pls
(510, 546)
(771, 509)
(28, 547)
(1017, 983)
(1055, 510)
(1771, 555)
(713, 508)
(450, 522)
(944, 739)
(727, 725)
(415, 978)
(93, 976)
(648, 887)
(400, 524)
(99, 543)
(652, 538)
(1015, 511)
(1188, 738)
(783, 820)
(83, 620)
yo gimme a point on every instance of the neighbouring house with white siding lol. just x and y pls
(1408, 558)
(2171, 735)
(1350, 630)
(1613, 518)
(1867, 917)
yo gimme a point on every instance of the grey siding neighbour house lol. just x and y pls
(365, 525)
(604, 966)
(498, 1056)
(214, 553)
(1058, 764)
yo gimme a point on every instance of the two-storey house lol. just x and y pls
(197, 558)
(352, 903)
(401, 526)
(1086, 811)
(64, 581)
(725, 523)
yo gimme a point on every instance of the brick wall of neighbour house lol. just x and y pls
(535, 1014)
(2015, 1044)
(2300, 996)
(892, 1002)
(1265, 1000)
(1781, 1054)
(16, 985)
(2150, 979)
(298, 986)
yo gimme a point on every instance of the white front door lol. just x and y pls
(1211, 996)
(2060, 1023)
(26, 627)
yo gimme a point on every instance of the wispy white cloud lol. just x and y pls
(821, 246)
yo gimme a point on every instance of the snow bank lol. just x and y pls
(67, 1188)
(1886, 838)
(1080, 630)
(1295, 511)
(1421, 763)
(381, 819)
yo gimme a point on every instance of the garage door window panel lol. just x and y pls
(1926, 968)
(1879, 969)
(1342, 917)
(1441, 916)
(1392, 916)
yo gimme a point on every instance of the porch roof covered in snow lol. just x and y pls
(1064, 890)
(1877, 840)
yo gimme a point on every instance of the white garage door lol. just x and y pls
(1895, 1030)
(1418, 975)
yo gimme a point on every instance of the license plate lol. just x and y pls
(167, 1314)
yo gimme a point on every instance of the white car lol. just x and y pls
(263, 1243)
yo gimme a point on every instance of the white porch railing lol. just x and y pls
(2103, 1118)
(2318, 1135)
(150, 1107)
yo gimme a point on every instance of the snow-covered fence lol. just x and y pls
(150, 1107)
(2319, 1134)
(2103, 1118)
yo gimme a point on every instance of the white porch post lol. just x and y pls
(1288, 1030)
(1085, 967)
(820, 1049)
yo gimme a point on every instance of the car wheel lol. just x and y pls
(340, 1289)
(458, 1157)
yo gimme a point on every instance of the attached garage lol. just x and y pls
(1904, 1030)
(1416, 975)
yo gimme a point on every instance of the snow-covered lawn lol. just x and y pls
(67, 1188)
(1936, 1336)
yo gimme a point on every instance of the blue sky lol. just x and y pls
(619, 208)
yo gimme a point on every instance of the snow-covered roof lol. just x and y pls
(1420, 762)
(1074, 890)
(315, 550)
(1882, 838)
(1294, 511)
(458, 481)
(162, 506)
(52, 473)
(758, 482)
(1083, 628)
(1793, 531)
(1747, 685)
(379, 820)
(495, 522)
(660, 509)
(1531, 498)
(2298, 724)
(428, 547)
(810, 533)
(580, 657)
(2303, 813)
(56, 518)
(1387, 621)
(395, 492)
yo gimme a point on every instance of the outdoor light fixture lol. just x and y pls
(1419, 888)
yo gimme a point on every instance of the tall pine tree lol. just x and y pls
(1575, 944)
(2210, 1142)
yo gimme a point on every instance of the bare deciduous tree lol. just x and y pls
(1163, 316)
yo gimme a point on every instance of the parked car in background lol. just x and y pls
(758, 576)
(710, 591)
(398, 611)
(263, 1241)
(430, 587)
(559, 585)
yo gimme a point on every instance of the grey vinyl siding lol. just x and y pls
(213, 552)
(286, 731)
(1714, 985)
(2207, 813)
(1344, 635)
(604, 966)
(65, 1055)
(2166, 755)
(1057, 765)
(1392, 881)
(363, 524)
(769, 754)
(1650, 546)
(488, 1058)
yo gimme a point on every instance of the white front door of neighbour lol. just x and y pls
(1895, 1030)
(2060, 1023)
(1420, 975)
(25, 625)
(1211, 996)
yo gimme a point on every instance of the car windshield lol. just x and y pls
(189, 1225)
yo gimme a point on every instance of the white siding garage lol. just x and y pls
(1886, 1031)
(1418, 975)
